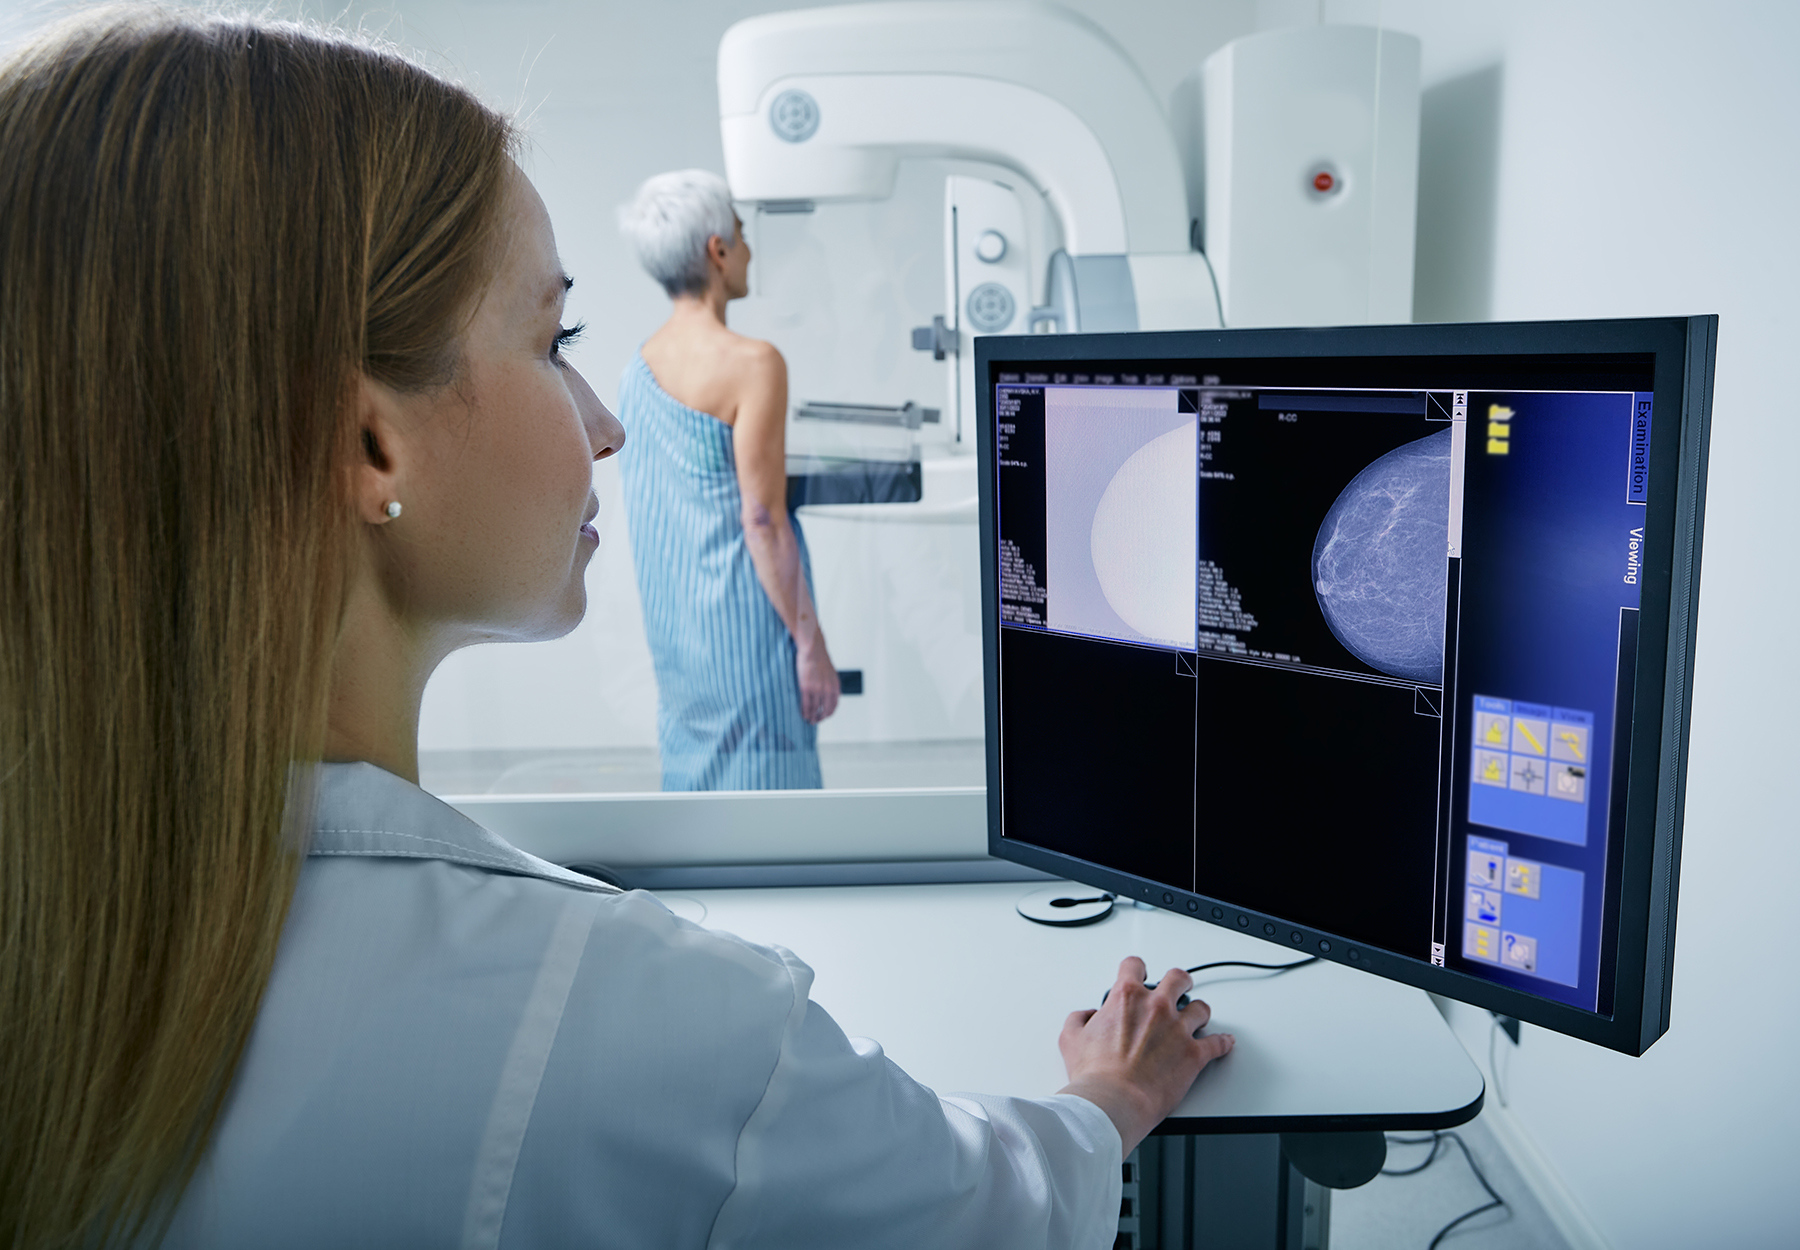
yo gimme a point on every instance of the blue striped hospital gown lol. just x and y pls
(728, 700)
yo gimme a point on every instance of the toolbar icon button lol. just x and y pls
(1518, 952)
(1481, 942)
(1490, 768)
(1528, 774)
(1524, 877)
(1569, 742)
(1529, 736)
(1568, 781)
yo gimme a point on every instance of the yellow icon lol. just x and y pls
(1499, 430)
(1497, 732)
(1572, 741)
(1529, 736)
(1522, 877)
(1491, 770)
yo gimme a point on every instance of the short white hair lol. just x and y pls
(669, 221)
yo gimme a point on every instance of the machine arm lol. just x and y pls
(821, 104)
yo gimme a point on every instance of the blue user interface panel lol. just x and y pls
(1346, 642)
(1553, 506)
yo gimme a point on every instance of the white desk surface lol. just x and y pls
(966, 995)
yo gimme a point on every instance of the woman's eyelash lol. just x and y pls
(568, 336)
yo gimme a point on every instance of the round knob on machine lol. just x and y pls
(990, 246)
(1323, 181)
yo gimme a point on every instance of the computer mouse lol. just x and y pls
(1180, 1003)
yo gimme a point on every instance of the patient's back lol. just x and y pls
(711, 368)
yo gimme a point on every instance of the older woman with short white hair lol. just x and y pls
(742, 672)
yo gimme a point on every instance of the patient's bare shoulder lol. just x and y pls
(753, 360)
(717, 371)
(755, 375)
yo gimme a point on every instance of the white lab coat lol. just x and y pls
(465, 1046)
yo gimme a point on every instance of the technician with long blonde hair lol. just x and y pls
(284, 420)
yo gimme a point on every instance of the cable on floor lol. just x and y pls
(1437, 1141)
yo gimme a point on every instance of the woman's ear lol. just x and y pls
(718, 250)
(376, 473)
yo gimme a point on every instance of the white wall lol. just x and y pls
(1645, 164)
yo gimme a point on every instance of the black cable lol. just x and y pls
(1277, 969)
(1437, 1140)
(1497, 1200)
(1493, 1035)
(1244, 963)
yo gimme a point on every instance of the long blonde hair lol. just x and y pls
(209, 227)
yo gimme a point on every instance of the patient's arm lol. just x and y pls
(759, 437)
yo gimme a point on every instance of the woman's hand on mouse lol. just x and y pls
(1136, 1056)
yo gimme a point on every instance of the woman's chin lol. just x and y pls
(552, 621)
(569, 613)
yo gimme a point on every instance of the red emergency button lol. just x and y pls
(1323, 181)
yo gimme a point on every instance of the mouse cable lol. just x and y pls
(1493, 1067)
(1437, 1140)
(1244, 963)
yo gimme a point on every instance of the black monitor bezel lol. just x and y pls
(1650, 842)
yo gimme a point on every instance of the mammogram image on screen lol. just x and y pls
(1378, 561)
(1120, 496)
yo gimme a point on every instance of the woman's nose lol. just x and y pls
(605, 434)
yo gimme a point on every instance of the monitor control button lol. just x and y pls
(1269, 929)
(1193, 905)
(1218, 913)
(1355, 954)
(1325, 946)
(1167, 897)
(1297, 936)
(1243, 922)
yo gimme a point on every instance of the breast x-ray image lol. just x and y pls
(1322, 535)
(1378, 562)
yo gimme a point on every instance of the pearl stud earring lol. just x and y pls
(393, 508)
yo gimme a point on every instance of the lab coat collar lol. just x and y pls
(368, 811)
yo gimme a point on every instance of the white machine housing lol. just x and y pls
(1031, 87)
(822, 104)
(987, 273)
(1312, 175)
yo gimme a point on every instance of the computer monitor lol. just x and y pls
(1372, 642)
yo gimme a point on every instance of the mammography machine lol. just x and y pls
(1066, 203)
